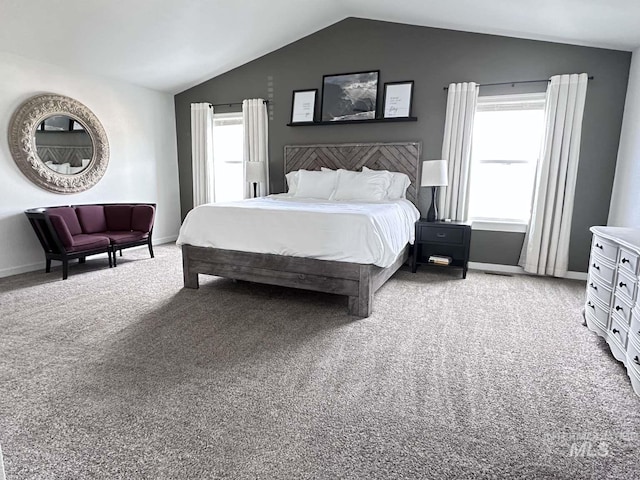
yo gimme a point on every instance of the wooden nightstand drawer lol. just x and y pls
(441, 234)
(448, 240)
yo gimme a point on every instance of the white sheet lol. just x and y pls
(357, 232)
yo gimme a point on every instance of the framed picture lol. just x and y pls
(303, 106)
(350, 96)
(397, 99)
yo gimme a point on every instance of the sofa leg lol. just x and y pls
(151, 249)
(120, 252)
(47, 267)
(110, 261)
(113, 252)
(65, 269)
(82, 260)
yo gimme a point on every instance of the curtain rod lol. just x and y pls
(513, 83)
(266, 102)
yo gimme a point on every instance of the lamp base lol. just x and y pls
(432, 214)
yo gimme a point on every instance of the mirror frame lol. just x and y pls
(22, 143)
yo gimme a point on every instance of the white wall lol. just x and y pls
(624, 210)
(143, 167)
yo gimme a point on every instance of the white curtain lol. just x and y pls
(255, 120)
(546, 246)
(202, 153)
(462, 99)
(1, 466)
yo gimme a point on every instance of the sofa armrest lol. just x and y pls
(142, 217)
(60, 226)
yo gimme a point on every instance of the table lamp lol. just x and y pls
(434, 175)
(255, 173)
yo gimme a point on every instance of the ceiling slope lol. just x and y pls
(170, 46)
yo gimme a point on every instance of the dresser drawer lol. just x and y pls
(622, 309)
(626, 286)
(633, 357)
(596, 310)
(601, 268)
(440, 234)
(605, 248)
(628, 262)
(618, 330)
(634, 329)
(599, 289)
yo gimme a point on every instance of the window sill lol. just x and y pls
(497, 226)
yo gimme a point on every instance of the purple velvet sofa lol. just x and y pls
(71, 232)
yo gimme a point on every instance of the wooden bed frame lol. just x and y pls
(357, 281)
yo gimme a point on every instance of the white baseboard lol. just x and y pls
(576, 276)
(517, 270)
(169, 239)
(7, 272)
(31, 267)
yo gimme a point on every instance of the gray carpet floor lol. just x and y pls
(122, 373)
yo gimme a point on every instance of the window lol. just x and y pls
(507, 135)
(228, 144)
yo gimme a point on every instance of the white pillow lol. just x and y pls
(399, 183)
(315, 184)
(361, 186)
(292, 181)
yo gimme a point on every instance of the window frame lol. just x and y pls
(498, 224)
(220, 120)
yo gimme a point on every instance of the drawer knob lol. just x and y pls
(589, 304)
(595, 266)
(598, 246)
(636, 360)
(622, 284)
(615, 330)
(618, 308)
(593, 286)
(441, 235)
(624, 260)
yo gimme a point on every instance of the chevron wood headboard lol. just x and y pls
(401, 157)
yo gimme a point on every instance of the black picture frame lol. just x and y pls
(300, 108)
(398, 104)
(350, 96)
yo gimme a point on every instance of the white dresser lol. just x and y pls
(612, 307)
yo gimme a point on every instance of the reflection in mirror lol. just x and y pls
(50, 134)
(63, 144)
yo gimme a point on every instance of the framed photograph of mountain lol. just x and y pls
(350, 96)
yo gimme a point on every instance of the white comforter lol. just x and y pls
(357, 232)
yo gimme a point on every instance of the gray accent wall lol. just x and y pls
(433, 58)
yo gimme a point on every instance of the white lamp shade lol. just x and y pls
(434, 173)
(255, 172)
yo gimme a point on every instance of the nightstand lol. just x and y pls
(445, 239)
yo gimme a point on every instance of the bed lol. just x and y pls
(221, 239)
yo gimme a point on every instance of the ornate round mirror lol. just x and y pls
(58, 143)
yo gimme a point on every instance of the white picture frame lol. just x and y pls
(398, 98)
(303, 106)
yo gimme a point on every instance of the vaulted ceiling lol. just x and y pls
(171, 45)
